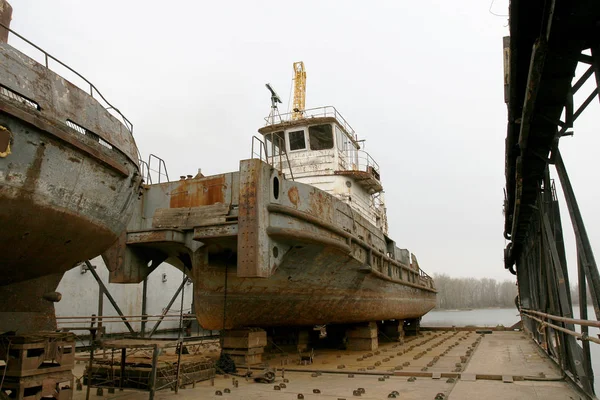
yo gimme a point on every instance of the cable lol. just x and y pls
(493, 13)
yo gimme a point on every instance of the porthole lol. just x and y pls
(276, 188)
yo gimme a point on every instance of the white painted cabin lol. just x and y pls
(321, 149)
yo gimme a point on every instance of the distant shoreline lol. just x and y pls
(473, 309)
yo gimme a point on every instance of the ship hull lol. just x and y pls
(314, 285)
(60, 206)
(266, 251)
(69, 177)
(68, 172)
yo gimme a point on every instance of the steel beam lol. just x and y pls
(573, 353)
(167, 308)
(109, 297)
(584, 247)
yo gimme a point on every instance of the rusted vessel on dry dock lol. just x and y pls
(69, 176)
(296, 237)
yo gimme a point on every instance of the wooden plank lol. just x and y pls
(189, 217)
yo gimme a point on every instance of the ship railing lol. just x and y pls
(318, 112)
(272, 152)
(360, 160)
(156, 167)
(90, 87)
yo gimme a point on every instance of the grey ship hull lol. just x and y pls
(68, 181)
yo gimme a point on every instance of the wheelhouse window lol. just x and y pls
(296, 139)
(320, 137)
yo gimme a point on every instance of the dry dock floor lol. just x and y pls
(434, 365)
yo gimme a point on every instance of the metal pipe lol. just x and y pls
(180, 335)
(126, 316)
(100, 307)
(567, 331)
(583, 322)
(108, 295)
(153, 373)
(65, 324)
(144, 305)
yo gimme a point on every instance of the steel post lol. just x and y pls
(144, 306)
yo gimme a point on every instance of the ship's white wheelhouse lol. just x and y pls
(323, 153)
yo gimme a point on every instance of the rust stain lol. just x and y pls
(293, 195)
(198, 192)
(5, 139)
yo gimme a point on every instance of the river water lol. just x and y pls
(489, 317)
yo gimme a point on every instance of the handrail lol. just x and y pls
(162, 168)
(93, 88)
(580, 336)
(270, 159)
(324, 111)
(582, 322)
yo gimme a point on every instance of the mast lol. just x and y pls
(299, 90)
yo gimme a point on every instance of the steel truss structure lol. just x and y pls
(548, 39)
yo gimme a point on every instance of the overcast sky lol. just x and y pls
(422, 81)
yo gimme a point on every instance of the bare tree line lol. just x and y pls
(461, 293)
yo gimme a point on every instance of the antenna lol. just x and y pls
(274, 100)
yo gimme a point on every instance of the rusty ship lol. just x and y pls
(297, 236)
(69, 175)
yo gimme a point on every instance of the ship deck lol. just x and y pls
(437, 364)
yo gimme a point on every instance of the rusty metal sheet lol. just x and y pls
(189, 217)
(217, 231)
(80, 206)
(31, 312)
(198, 192)
(313, 285)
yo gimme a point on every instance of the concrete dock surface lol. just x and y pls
(433, 365)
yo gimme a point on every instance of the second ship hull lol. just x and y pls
(314, 286)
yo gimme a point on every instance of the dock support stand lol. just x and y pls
(392, 330)
(303, 340)
(412, 326)
(244, 346)
(362, 337)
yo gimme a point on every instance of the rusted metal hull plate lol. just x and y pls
(313, 286)
(23, 307)
(61, 206)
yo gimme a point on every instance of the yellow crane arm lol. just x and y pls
(299, 90)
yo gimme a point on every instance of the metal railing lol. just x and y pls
(274, 157)
(541, 318)
(101, 99)
(360, 160)
(325, 111)
(160, 170)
